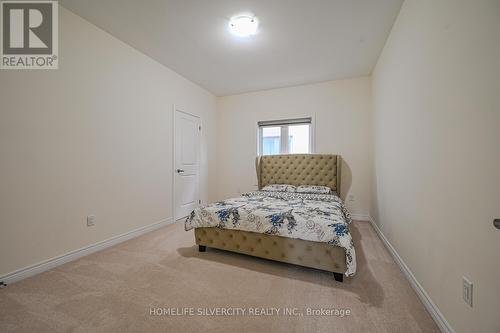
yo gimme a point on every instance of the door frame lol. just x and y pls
(174, 151)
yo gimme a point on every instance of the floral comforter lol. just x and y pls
(312, 217)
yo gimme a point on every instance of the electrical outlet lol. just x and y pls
(91, 220)
(467, 291)
(351, 197)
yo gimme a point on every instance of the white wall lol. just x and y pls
(93, 137)
(437, 157)
(341, 112)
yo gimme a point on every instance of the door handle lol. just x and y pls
(180, 171)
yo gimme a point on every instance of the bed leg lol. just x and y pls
(339, 277)
(202, 248)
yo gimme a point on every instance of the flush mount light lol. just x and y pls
(243, 25)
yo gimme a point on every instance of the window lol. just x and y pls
(291, 136)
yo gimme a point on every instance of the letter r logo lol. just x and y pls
(27, 27)
(29, 32)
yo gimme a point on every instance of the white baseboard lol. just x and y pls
(360, 217)
(73, 255)
(40, 267)
(438, 317)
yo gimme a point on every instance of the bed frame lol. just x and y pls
(296, 169)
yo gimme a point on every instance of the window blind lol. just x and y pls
(284, 122)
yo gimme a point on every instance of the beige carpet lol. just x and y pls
(114, 290)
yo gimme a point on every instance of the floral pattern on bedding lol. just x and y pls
(307, 216)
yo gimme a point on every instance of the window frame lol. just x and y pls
(284, 125)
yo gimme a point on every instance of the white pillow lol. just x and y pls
(313, 189)
(279, 188)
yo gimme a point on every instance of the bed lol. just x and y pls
(310, 230)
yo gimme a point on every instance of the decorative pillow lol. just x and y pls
(313, 189)
(279, 188)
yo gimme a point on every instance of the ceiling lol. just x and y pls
(298, 42)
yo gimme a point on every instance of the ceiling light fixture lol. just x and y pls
(243, 25)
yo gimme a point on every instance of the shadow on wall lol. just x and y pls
(345, 179)
(374, 213)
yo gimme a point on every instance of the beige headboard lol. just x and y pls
(299, 169)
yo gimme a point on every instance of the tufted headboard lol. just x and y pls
(299, 169)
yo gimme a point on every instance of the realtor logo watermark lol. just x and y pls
(29, 35)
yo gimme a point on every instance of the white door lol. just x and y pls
(186, 163)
